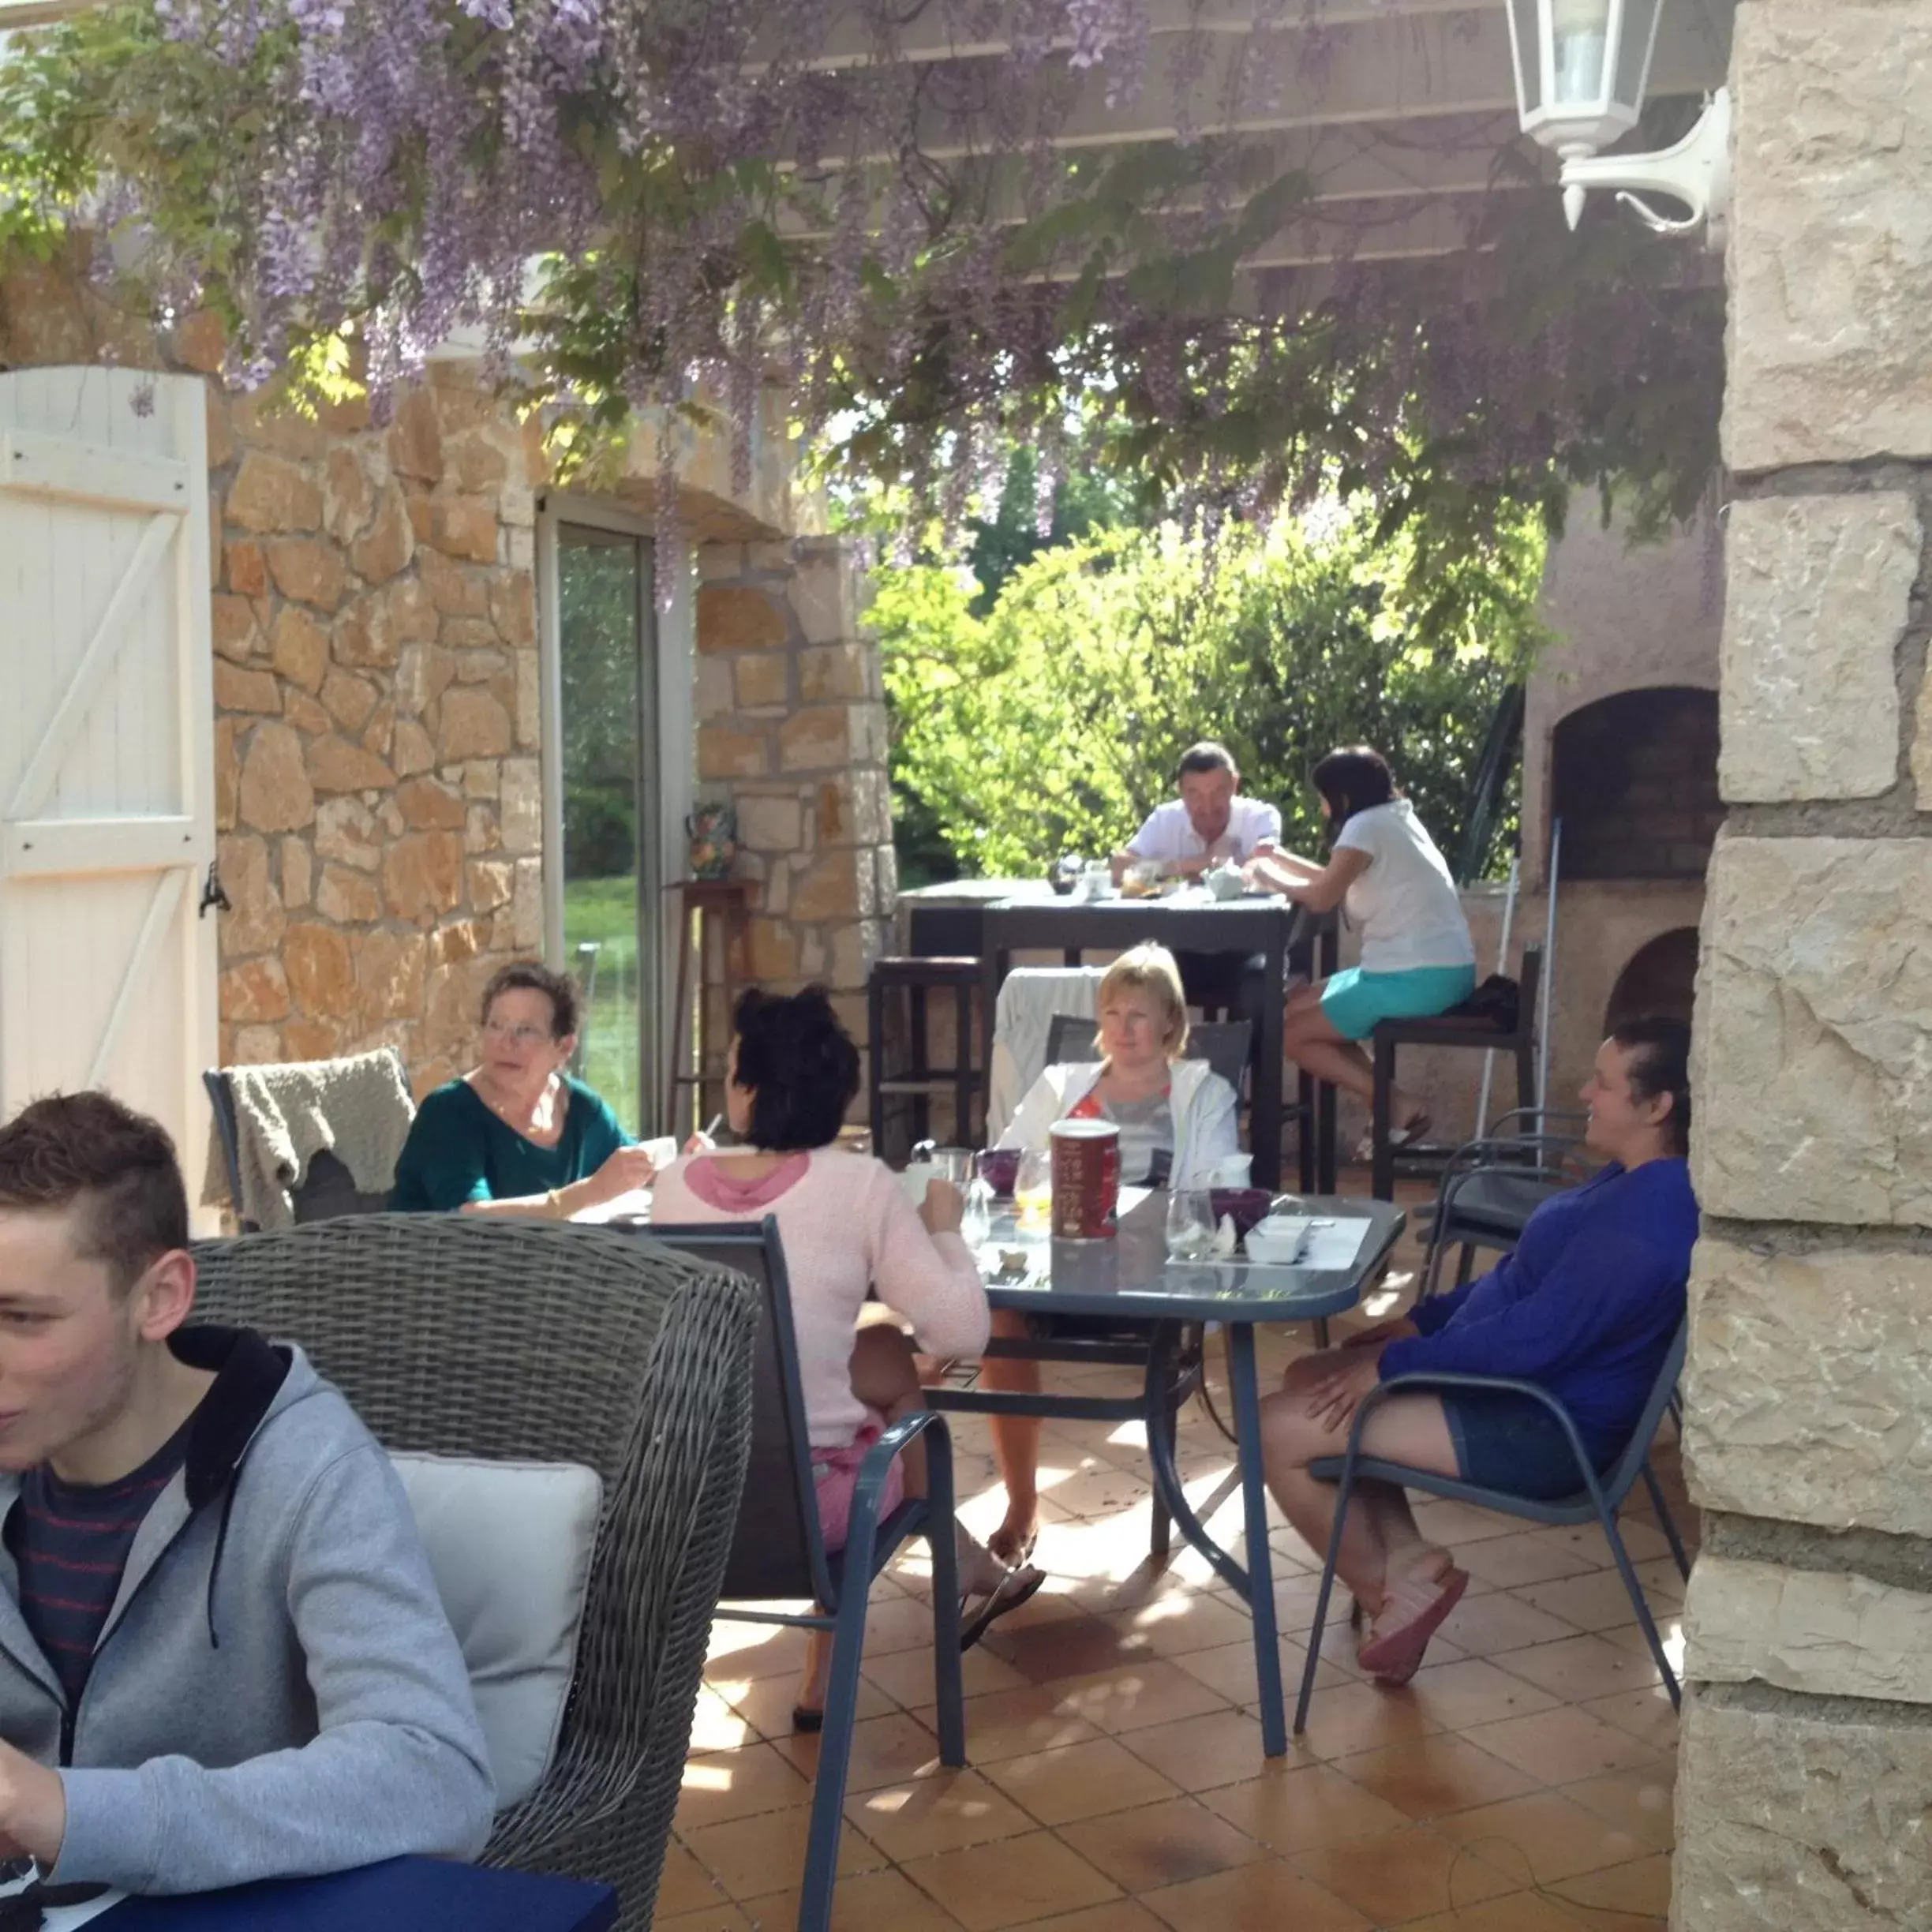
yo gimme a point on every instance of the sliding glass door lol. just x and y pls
(604, 774)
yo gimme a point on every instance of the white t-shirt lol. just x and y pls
(1404, 905)
(1169, 833)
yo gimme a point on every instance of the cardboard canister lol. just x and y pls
(1086, 1178)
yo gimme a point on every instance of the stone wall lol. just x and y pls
(378, 786)
(791, 728)
(1807, 1753)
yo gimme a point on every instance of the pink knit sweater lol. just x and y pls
(847, 1226)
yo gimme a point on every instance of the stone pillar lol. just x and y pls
(791, 728)
(1806, 1767)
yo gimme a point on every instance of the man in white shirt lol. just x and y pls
(1210, 822)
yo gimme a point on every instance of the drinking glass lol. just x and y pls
(1190, 1225)
(976, 1223)
(1033, 1188)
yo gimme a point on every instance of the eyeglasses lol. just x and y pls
(524, 1035)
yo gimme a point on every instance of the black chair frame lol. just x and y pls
(778, 1552)
(1597, 1501)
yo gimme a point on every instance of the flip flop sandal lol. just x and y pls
(1393, 1656)
(1399, 1137)
(806, 1720)
(1012, 1591)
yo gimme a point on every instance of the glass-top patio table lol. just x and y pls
(1130, 1283)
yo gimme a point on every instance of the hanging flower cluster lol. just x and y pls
(636, 204)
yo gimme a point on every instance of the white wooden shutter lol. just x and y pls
(107, 972)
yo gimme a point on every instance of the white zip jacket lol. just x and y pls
(1203, 1103)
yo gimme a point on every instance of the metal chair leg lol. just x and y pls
(942, 1539)
(1665, 1520)
(841, 1704)
(1642, 1605)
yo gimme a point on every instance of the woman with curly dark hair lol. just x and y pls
(848, 1230)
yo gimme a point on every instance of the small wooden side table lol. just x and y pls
(697, 1054)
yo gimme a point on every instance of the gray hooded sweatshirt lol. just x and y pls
(276, 1691)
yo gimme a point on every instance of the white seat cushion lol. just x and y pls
(509, 1546)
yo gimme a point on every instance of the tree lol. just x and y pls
(1053, 724)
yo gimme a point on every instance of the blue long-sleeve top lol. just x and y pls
(1585, 1307)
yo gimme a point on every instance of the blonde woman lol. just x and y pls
(1177, 1122)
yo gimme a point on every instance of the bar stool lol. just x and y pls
(918, 1079)
(1466, 1026)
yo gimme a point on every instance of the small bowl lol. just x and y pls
(1246, 1205)
(1275, 1243)
(999, 1167)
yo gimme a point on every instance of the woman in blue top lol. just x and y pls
(516, 1134)
(1586, 1307)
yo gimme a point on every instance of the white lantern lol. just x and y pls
(1581, 70)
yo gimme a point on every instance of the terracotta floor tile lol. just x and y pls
(1104, 1490)
(1521, 1912)
(1362, 1717)
(1299, 1809)
(864, 1904)
(1079, 1781)
(722, 1917)
(720, 1785)
(1670, 1628)
(1562, 1746)
(906, 1676)
(1009, 1724)
(1403, 1875)
(1011, 1883)
(1473, 1692)
(1253, 1898)
(1134, 1695)
(744, 1651)
(1580, 1668)
(1198, 1753)
(1121, 1916)
(1434, 1776)
(897, 1623)
(884, 1750)
(1640, 1802)
(1177, 1625)
(765, 1702)
(1071, 1647)
(684, 1885)
(1160, 1844)
(1597, 1601)
(751, 1856)
(1231, 1671)
(1646, 1715)
(1501, 1621)
(1542, 1837)
(1641, 1888)
(716, 1726)
(1529, 1556)
(1454, 1524)
(940, 1812)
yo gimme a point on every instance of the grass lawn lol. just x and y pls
(605, 910)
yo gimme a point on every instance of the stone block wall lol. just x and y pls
(378, 787)
(1807, 1744)
(791, 718)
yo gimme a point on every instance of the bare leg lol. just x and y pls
(1381, 1542)
(1015, 1442)
(1310, 1040)
(885, 1377)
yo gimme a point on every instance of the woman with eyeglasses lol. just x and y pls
(516, 1134)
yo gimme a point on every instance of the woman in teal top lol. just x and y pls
(516, 1135)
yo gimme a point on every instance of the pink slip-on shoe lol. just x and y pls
(1412, 1614)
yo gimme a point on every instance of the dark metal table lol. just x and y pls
(1270, 926)
(1130, 1282)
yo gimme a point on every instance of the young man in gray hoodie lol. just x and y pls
(222, 1655)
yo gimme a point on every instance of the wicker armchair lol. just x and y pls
(527, 1340)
